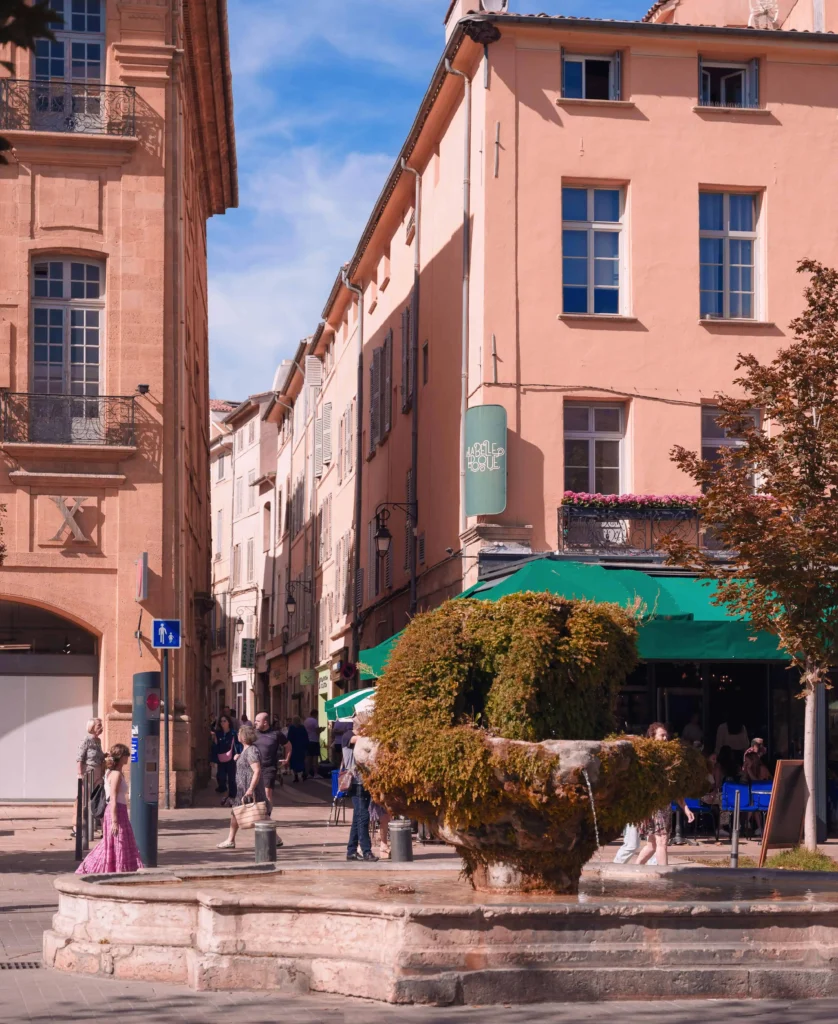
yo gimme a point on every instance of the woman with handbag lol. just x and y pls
(250, 804)
(117, 852)
(225, 749)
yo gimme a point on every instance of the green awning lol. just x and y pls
(681, 621)
(343, 707)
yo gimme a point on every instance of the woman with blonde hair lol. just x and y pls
(250, 786)
(90, 755)
(117, 851)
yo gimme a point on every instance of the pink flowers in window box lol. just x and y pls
(630, 502)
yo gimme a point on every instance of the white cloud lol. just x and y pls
(275, 260)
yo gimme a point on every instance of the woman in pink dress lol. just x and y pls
(117, 851)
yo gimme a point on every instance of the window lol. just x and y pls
(279, 515)
(221, 466)
(425, 363)
(251, 568)
(239, 495)
(714, 437)
(251, 432)
(591, 77)
(728, 85)
(68, 300)
(381, 392)
(69, 69)
(219, 526)
(591, 249)
(266, 526)
(237, 565)
(593, 437)
(251, 488)
(727, 229)
(407, 361)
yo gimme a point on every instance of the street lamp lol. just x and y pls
(383, 538)
(239, 624)
(290, 600)
(290, 604)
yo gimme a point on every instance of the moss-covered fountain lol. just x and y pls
(492, 724)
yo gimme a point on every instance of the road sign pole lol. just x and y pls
(145, 764)
(166, 726)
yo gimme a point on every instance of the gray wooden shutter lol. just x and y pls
(359, 587)
(617, 77)
(375, 400)
(753, 83)
(702, 100)
(318, 446)
(341, 440)
(564, 86)
(406, 360)
(388, 568)
(327, 433)
(387, 379)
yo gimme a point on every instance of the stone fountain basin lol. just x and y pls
(676, 932)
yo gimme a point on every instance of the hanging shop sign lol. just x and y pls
(485, 460)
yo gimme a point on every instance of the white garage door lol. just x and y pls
(42, 724)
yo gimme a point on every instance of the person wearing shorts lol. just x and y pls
(312, 727)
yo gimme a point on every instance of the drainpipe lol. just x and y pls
(359, 462)
(819, 16)
(466, 289)
(414, 384)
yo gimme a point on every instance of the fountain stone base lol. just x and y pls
(415, 934)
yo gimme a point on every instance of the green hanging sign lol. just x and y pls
(485, 460)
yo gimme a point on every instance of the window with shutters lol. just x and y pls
(351, 439)
(327, 433)
(338, 566)
(425, 360)
(407, 362)
(251, 567)
(279, 515)
(251, 488)
(408, 522)
(589, 77)
(251, 432)
(219, 532)
(724, 84)
(318, 446)
(341, 443)
(237, 565)
(266, 526)
(239, 495)
(220, 466)
(386, 385)
(420, 544)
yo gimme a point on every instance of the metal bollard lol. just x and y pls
(265, 842)
(401, 841)
(79, 814)
(734, 832)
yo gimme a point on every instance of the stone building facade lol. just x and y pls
(123, 147)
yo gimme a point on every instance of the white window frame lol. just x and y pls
(591, 436)
(251, 561)
(66, 35)
(750, 83)
(726, 441)
(221, 468)
(239, 495)
(592, 227)
(726, 235)
(583, 58)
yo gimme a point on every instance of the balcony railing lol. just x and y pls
(632, 532)
(67, 107)
(67, 419)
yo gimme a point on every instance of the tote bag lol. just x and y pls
(247, 814)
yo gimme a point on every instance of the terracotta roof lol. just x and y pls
(653, 10)
(222, 405)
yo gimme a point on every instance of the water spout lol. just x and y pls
(596, 827)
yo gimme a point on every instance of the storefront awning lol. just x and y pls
(344, 707)
(681, 623)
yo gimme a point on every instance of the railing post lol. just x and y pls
(79, 799)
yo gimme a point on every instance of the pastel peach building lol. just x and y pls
(587, 223)
(123, 146)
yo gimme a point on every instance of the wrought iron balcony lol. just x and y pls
(632, 532)
(69, 107)
(67, 419)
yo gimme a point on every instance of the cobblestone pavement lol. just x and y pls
(35, 846)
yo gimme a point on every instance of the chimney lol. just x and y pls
(458, 9)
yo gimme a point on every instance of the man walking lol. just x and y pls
(271, 746)
(313, 728)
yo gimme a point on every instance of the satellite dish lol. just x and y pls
(494, 6)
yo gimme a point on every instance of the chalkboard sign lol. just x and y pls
(789, 795)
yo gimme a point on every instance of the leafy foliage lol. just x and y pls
(22, 24)
(784, 530)
(471, 691)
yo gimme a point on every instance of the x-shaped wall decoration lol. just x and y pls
(69, 514)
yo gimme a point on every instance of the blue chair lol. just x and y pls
(729, 797)
(338, 801)
(701, 811)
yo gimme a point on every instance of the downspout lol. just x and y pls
(359, 462)
(414, 385)
(819, 16)
(466, 289)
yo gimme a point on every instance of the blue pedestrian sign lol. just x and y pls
(165, 634)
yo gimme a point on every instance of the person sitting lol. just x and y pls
(753, 770)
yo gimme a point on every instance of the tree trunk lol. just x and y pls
(810, 745)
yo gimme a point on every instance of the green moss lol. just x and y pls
(530, 667)
(799, 859)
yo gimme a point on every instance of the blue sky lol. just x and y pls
(325, 92)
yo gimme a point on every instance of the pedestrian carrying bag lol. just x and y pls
(226, 756)
(98, 800)
(345, 780)
(249, 812)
